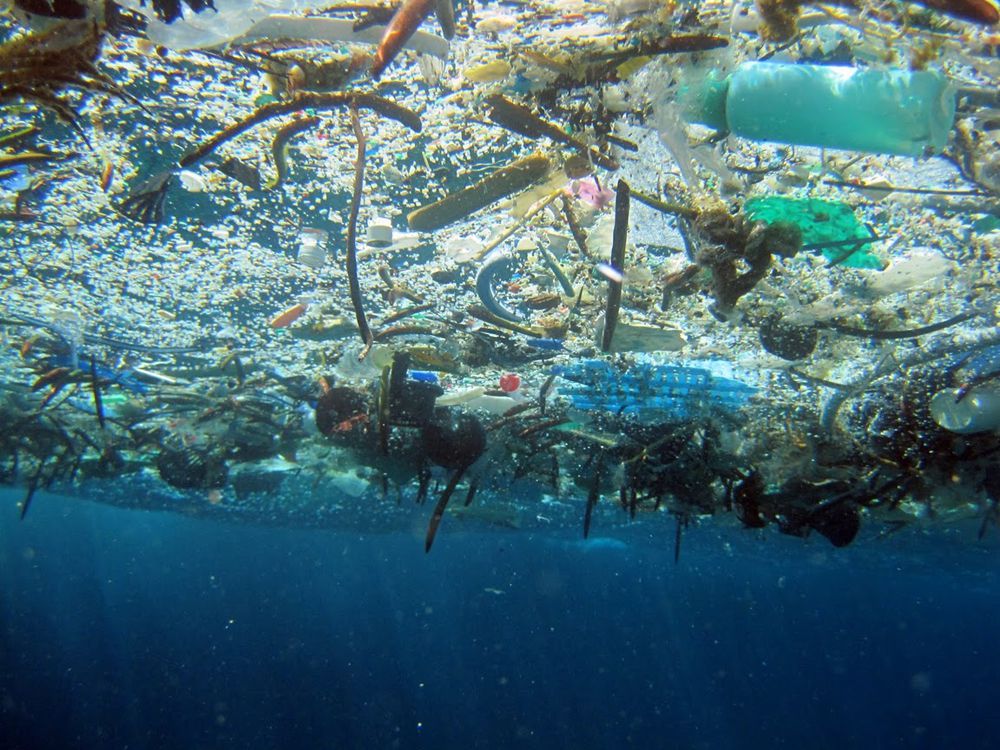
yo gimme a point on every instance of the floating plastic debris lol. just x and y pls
(192, 181)
(312, 247)
(821, 221)
(631, 337)
(882, 111)
(977, 410)
(501, 140)
(650, 391)
(509, 382)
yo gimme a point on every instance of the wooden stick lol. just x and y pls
(352, 233)
(618, 241)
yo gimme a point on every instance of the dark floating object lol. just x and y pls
(351, 258)
(279, 147)
(404, 23)
(455, 444)
(976, 11)
(96, 389)
(618, 242)
(403, 402)
(500, 262)
(440, 508)
(32, 488)
(747, 496)
(839, 524)
(445, 12)
(305, 100)
(40, 67)
(245, 174)
(786, 340)
(145, 203)
(67, 9)
(678, 531)
(191, 469)
(340, 410)
(912, 333)
(376, 16)
(593, 494)
(169, 11)
(519, 119)
(668, 45)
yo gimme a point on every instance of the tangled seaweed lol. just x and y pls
(39, 67)
(738, 252)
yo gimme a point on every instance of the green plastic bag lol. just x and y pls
(820, 221)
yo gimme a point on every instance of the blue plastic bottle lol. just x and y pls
(878, 111)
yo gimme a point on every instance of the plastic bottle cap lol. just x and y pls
(509, 382)
(312, 255)
(380, 232)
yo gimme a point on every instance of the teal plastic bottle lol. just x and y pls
(878, 111)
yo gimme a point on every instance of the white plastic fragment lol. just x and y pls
(910, 270)
(192, 181)
(454, 398)
(335, 30)
(611, 273)
(976, 411)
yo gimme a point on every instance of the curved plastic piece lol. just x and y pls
(977, 411)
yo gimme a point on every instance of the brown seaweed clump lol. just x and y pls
(39, 67)
(780, 19)
(738, 253)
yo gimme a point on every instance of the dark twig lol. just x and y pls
(892, 335)
(306, 100)
(617, 263)
(352, 232)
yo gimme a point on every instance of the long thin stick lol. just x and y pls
(502, 237)
(880, 335)
(617, 262)
(352, 233)
(306, 100)
(903, 189)
(663, 207)
(519, 119)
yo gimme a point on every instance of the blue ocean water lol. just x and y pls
(127, 629)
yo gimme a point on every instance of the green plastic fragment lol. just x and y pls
(820, 221)
(263, 99)
(986, 224)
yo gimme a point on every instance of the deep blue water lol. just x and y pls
(127, 629)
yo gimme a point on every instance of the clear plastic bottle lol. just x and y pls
(871, 110)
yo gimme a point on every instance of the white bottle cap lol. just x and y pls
(380, 232)
(312, 247)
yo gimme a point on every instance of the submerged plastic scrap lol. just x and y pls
(821, 221)
(679, 390)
